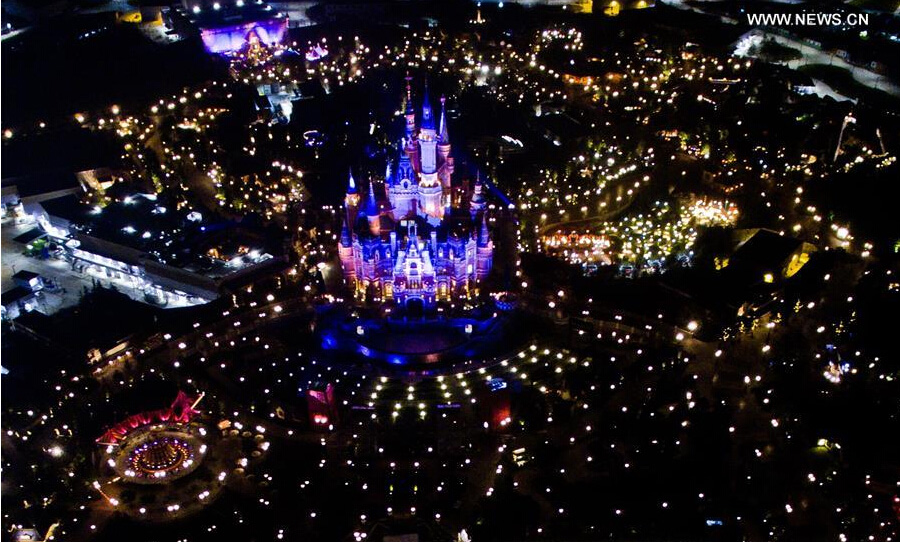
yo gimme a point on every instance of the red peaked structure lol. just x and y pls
(321, 406)
(181, 411)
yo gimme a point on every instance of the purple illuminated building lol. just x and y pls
(228, 27)
(228, 39)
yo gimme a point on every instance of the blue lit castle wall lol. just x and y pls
(404, 239)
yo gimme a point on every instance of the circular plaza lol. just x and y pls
(159, 453)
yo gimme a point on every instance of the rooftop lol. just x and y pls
(765, 249)
(15, 294)
(65, 207)
(25, 275)
(144, 227)
(42, 183)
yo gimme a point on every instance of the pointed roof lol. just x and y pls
(445, 135)
(408, 98)
(351, 185)
(427, 114)
(371, 205)
(484, 234)
(477, 192)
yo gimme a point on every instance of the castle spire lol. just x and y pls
(351, 205)
(445, 135)
(409, 104)
(372, 205)
(477, 202)
(427, 115)
(484, 234)
(371, 211)
(351, 199)
(410, 112)
(351, 185)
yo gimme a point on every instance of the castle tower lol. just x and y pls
(445, 160)
(444, 134)
(410, 112)
(351, 199)
(403, 191)
(485, 251)
(477, 203)
(372, 213)
(430, 187)
(346, 251)
(351, 205)
(427, 137)
(431, 199)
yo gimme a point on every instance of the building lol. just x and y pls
(27, 535)
(147, 246)
(16, 301)
(23, 297)
(28, 279)
(415, 237)
(227, 27)
(765, 256)
(611, 8)
(19, 192)
(321, 405)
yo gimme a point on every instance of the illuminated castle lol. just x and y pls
(416, 238)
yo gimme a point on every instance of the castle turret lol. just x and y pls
(410, 112)
(405, 170)
(427, 137)
(431, 199)
(346, 255)
(484, 235)
(427, 114)
(477, 203)
(345, 248)
(403, 191)
(351, 199)
(430, 185)
(372, 213)
(444, 133)
(485, 251)
(445, 160)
